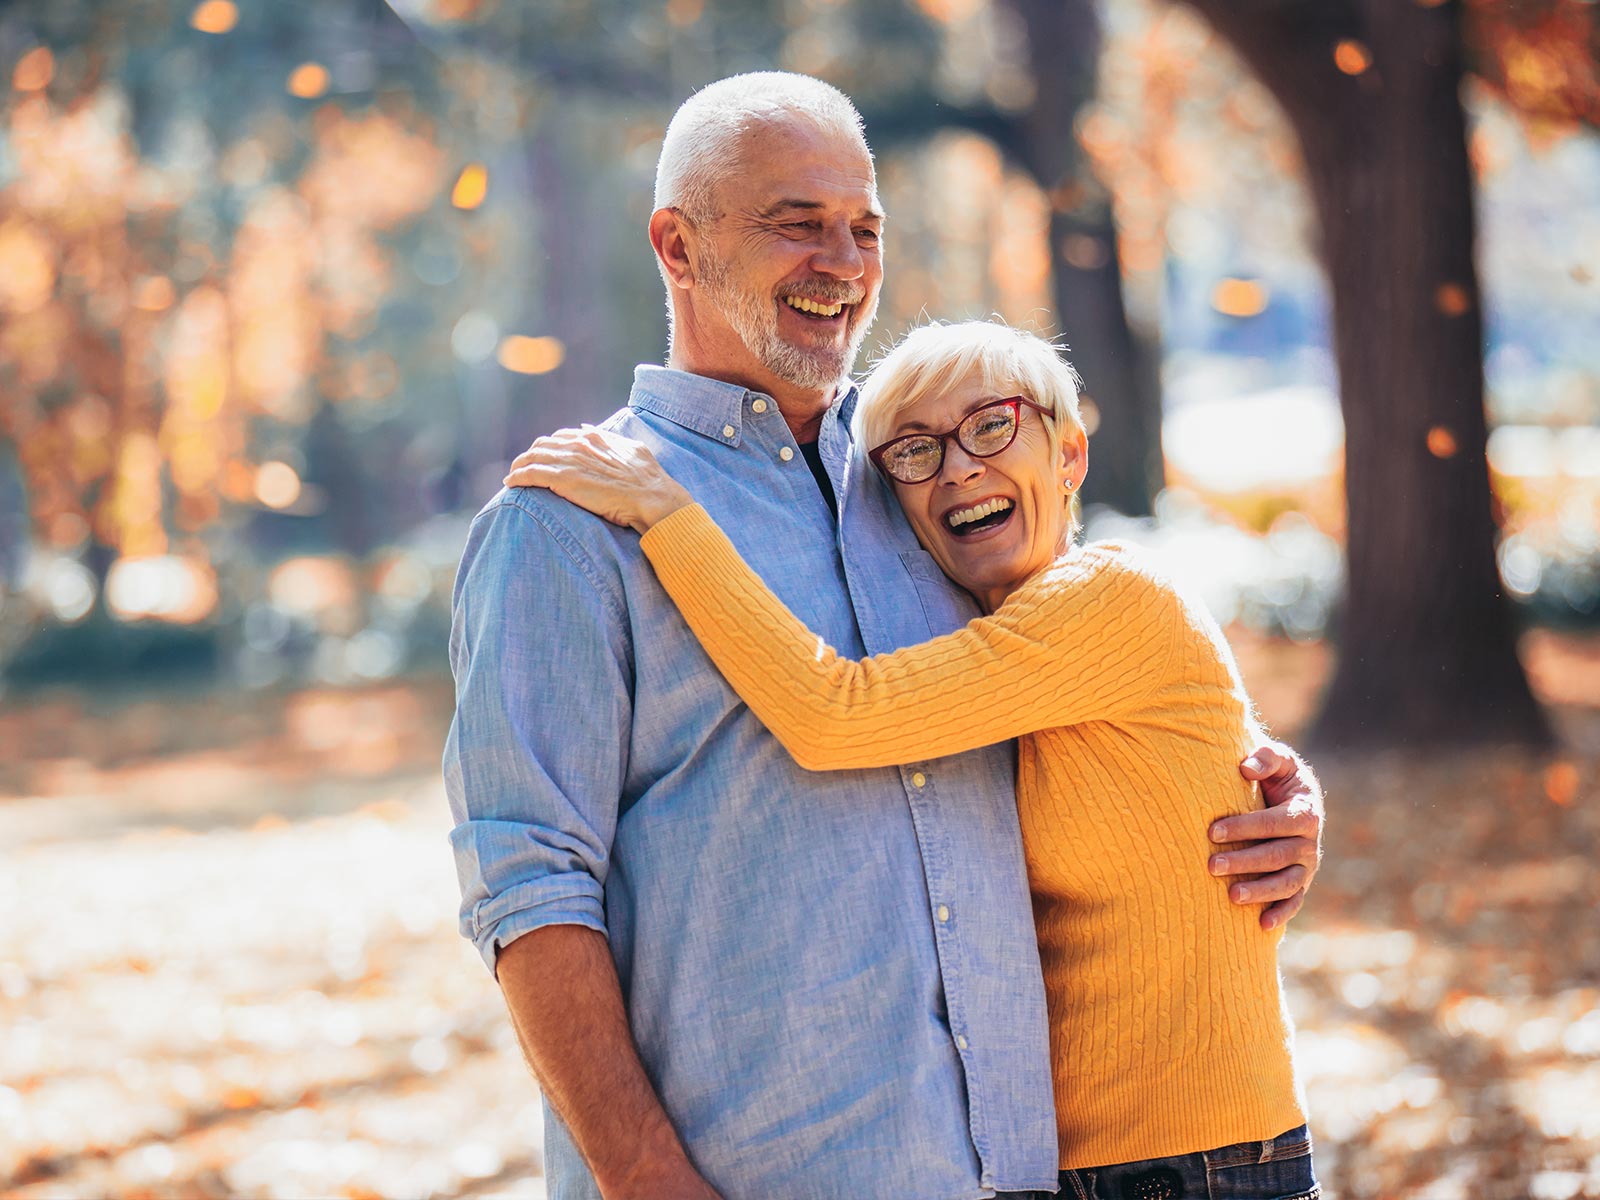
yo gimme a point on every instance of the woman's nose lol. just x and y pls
(958, 466)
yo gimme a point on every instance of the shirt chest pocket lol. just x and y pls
(946, 606)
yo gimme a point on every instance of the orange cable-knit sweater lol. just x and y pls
(1167, 1028)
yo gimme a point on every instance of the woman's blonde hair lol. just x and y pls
(937, 357)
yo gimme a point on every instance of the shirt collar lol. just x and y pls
(706, 406)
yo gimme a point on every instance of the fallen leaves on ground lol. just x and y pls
(230, 964)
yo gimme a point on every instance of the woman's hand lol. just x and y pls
(612, 476)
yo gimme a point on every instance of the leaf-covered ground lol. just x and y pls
(229, 964)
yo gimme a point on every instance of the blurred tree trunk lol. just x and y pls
(1064, 50)
(1427, 650)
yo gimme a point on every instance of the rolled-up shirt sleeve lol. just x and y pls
(537, 750)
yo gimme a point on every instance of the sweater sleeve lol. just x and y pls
(1087, 639)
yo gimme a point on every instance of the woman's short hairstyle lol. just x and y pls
(936, 358)
(703, 140)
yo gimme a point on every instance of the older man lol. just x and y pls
(732, 976)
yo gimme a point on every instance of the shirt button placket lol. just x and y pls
(786, 454)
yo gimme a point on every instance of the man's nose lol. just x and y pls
(839, 255)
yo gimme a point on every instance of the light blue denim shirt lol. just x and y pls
(832, 978)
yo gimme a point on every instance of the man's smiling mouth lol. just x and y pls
(987, 515)
(816, 309)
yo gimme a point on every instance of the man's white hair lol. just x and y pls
(702, 142)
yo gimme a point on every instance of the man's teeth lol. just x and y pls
(965, 516)
(813, 306)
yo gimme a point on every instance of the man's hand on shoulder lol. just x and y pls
(1287, 834)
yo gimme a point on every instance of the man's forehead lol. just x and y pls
(798, 163)
(813, 183)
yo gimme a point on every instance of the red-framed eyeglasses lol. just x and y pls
(982, 433)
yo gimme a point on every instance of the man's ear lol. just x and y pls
(670, 236)
(1073, 462)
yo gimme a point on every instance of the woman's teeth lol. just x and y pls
(814, 307)
(966, 516)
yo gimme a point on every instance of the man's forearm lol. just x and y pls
(561, 987)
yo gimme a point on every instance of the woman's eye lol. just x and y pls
(912, 453)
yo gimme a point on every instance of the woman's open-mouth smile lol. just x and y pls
(976, 522)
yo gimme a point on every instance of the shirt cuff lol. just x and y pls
(569, 899)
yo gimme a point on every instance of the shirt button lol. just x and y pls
(943, 913)
(727, 431)
(919, 780)
(759, 405)
(961, 1042)
(786, 454)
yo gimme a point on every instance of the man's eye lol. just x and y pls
(803, 226)
(868, 235)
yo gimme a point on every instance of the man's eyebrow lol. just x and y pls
(794, 205)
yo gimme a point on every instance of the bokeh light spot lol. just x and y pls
(1441, 442)
(472, 185)
(1451, 299)
(154, 293)
(1352, 57)
(1085, 252)
(215, 16)
(163, 588)
(1561, 783)
(531, 355)
(949, 12)
(277, 485)
(34, 70)
(68, 588)
(460, 10)
(27, 268)
(1239, 298)
(475, 337)
(685, 12)
(308, 81)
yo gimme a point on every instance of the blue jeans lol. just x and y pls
(1276, 1169)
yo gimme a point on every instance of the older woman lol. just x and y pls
(1169, 1041)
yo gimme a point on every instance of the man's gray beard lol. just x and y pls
(755, 319)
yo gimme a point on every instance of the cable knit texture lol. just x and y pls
(1168, 1031)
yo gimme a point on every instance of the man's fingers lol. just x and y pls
(1279, 885)
(1278, 914)
(1267, 762)
(1264, 856)
(1292, 820)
